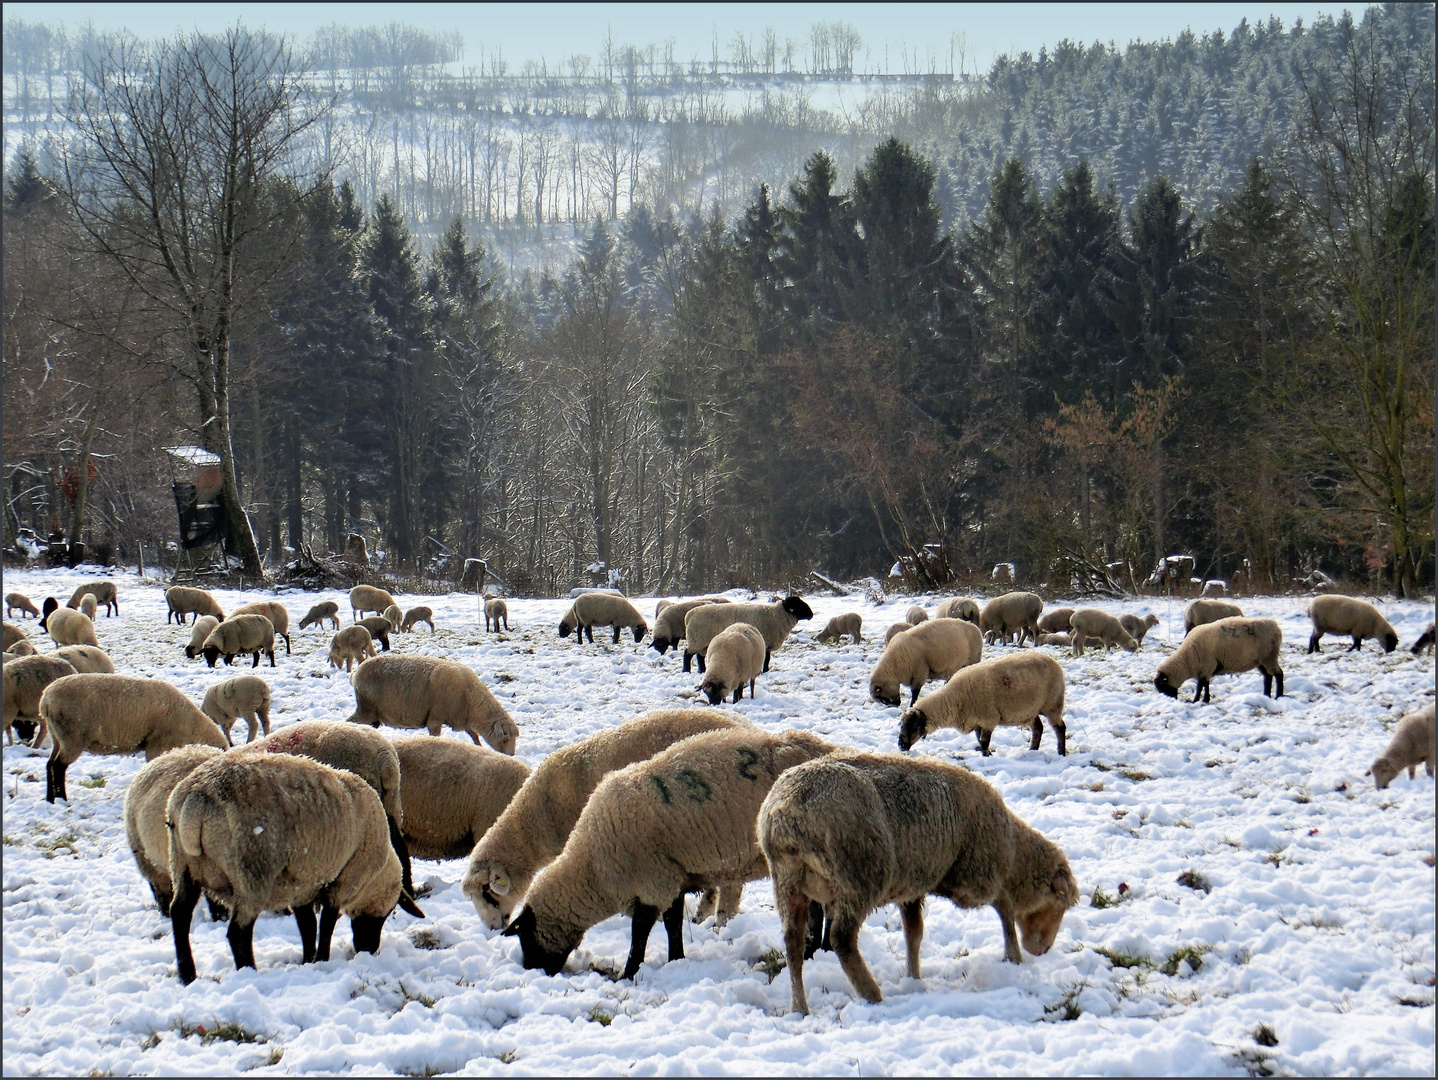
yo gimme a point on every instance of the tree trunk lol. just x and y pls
(82, 476)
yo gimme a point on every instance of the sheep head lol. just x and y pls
(796, 607)
(1390, 641)
(526, 928)
(663, 644)
(713, 690)
(1164, 686)
(1383, 772)
(48, 608)
(641, 629)
(886, 693)
(913, 726)
(1039, 927)
(490, 888)
(212, 653)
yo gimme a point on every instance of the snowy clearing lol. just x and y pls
(1318, 920)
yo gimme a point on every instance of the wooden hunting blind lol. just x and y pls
(197, 484)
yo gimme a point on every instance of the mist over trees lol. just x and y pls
(1093, 308)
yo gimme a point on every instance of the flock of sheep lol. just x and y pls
(323, 817)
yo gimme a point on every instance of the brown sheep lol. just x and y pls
(102, 591)
(452, 793)
(421, 691)
(183, 601)
(274, 611)
(1229, 647)
(18, 600)
(935, 649)
(1354, 618)
(1013, 613)
(321, 613)
(849, 623)
(368, 598)
(1012, 691)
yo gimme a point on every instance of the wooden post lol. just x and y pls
(140, 547)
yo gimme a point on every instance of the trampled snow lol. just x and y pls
(1317, 920)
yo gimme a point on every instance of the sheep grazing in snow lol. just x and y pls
(1093, 625)
(858, 831)
(1055, 620)
(321, 613)
(87, 659)
(1425, 641)
(367, 598)
(1346, 616)
(144, 814)
(422, 691)
(245, 696)
(1412, 743)
(669, 621)
(21, 648)
(958, 607)
(495, 611)
(1229, 647)
(22, 602)
(735, 656)
(895, 630)
(273, 610)
(13, 634)
(775, 621)
(184, 601)
(849, 623)
(602, 609)
(25, 679)
(1064, 640)
(203, 628)
(452, 793)
(67, 626)
(416, 615)
(379, 629)
(1202, 612)
(1013, 613)
(1137, 627)
(102, 591)
(88, 607)
(936, 649)
(394, 615)
(240, 634)
(350, 646)
(1012, 691)
(916, 615)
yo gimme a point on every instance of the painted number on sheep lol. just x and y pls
(747, 760)
(695, 787)
(663, 789)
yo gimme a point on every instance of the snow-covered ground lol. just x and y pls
(1319, 922)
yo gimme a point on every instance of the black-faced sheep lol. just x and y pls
(1013, 613)
(669, 621)
(350, 646)
(1228, 647)
(680, 821)
(416, 615)
(452, 793)
(422, 691)
(273, 610)
(958, 607)
(183, 601)
(321, 613)
(774, 621)
(203, 628)
(25, 679)
(735, 656)
(1412, 742)
(1012, 691)
(1202, 612)
(379, 629)
(1055, 620)
(1094, 625)
(117, 714)
(368, 598)
(1425, 641)
(67, 626)
(534, 827)
(934, 650)
(857, 831)
(20, 601)
(87, 659)
(495, 611)
(849, 623)
(144, 814)
(602, 609)
(102, 591)
(1137, 627)
(274, 832)
(1346, 616)
(240, 634)
(245, 696)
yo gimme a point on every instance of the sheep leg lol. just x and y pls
(846, 944)
(914, 689)
(242, 943)
(329, 915)
(913, 916)
(182, 908)
(674, 927)
(305, 920)
(768, 654)
(814, 930)
(1313, 642)
(270, 653)
(1203, 685)
(797, 911)
(700, 661)
(738, 693)
(616, 634)
(645, 916)
(688, 656)
(264, 715)
(1060, 733)
(55, 777)
(287, 644)
(1357, 643)
(1011, 937)
(1038, 730)
(589, 631)
(985, 735)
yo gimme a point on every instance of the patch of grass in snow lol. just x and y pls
(424, 937)
(1124, 960)
(406, 997)
(11, 841)
(150, 1041)
(1319, 922)
(1136, 775)
(277, 1054)
(508, 1057)
(1192, 879)
(1264, 1035)
(1067, 1007)
(93, 782)
(54, 845)
(1101, 899)
(223, 1032)
(773, 962)
(600, 1017)
(1101, 767)
(1254, 1062)
(1192, 954)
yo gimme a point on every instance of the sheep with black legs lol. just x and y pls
(1229, 647)
(423, 691)
(1349, 617)
(669, 620)
(67, 626)
(934, 650)
(775, 621)
(103, 592)
(273, 610)
(368, 598)
(240, 634)
(602, 609)
(495, 611)
(379, 629)
(245, 696)
(144, 814)
(25, 679)
(735, 656)
(1425, 641)
(1012, 691)
(183, 601)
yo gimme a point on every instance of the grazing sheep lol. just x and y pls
(1055, 620)
(774, 621)
(1012, 691)
(379, 628)
(534, 827)
(88, 606)
(602, 609)
(495, 610)
(895, 630)
(367, 598)
(916, 615)
(350, 646)
(117, 714)
(240, 634)
(1090, 624)
(204, 626)
(102, 591)
(1346, 616)
(12, 634)
(87, 659)
(1202, 612)
(67, 626)
(25, 679)
(144, 814)
(849, 623)
(1412, 743)
(1064, 640)
(679, 821)
(421, 691)
(416, 615)
(275, 832)
(452, 794)
(858, 831)
(325, 611)
(184, 601)
(1425, 641)
(958, 607)
(394, 615)
(244, 695)
(1015, 612)
(1137, 627)
(1228, 647)
(273, 610)
(669, 621)
(933, 651)
(21, 648)
(735, 656)
(20, 600)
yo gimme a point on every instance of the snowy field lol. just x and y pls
(1318, 920)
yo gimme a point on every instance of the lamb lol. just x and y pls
(1228, 647)
(87, 659)
(351, 646)
(20, 600)
(1137, 627)
(916, 615)
(1425, 641)
(1345, 615)
(394, 615)
(1062, 640)
(1412, 743)
(12, 634)
(266, 833)
(117, 714)
(669, 621)
(88, 607)
(67, 626)
(1090, 624)
(240, 634)
(838, 626)
(679, 821)
(452, 794)
(274, 611)
(602, 609)
(774, 621)
(325, 611)
(22, 647)
(102, 591)
(495, 609)
(184, 601)
(379, 629)
(244, 695)
(1012, 691)
(1055, 620)
(421, 691)
(1015, 612)
(934, 650)
(735, 656)
(534, 827)
(958, 607)
(416, 615)
(204, 626)
(858, 831)
(895, 630)
(1202, 612)
(25, 679)
(144, 814)
(367, 598)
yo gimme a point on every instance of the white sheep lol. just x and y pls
(1201, 612)
(67, 626)
(422, 691)
(602, 609)
(368, 598)
(13, 634)
(22, 648)
(203, 628)
(416, 615)
(85, 659)
(1093, 624)
(1412, 743)
(273, 610)
(669, 620)
(895, 629)
(183, 601)
(774, 621)
(916, 615)
(1014, 612)
(1136, 627)
(240, 634)
(495, 610)
(88, 606)
(1055, 620)
(1011, 691)
(144, 815)
(394, 615)
(25, 679)
(350, 646)
(18, 600)
(735, 656)
(1229, 646)
(103, 593)
(321, 613)
(958, 607)
(245, 696)
(934, 650)
(452, 793)
(849, 623)
(1351, 617)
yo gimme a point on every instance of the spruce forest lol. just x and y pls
(1077, 313)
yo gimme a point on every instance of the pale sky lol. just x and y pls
(556, 31)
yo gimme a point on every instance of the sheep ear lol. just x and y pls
(1368, 773)
(500, 884)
